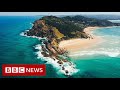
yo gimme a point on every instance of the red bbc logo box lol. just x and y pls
(23, 70)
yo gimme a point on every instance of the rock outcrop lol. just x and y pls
(56, 29)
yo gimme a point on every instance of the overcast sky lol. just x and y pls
(54, 13)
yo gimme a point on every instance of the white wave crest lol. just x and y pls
(23, 34)
(70, 68)
(110, 53)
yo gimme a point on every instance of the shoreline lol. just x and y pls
(73, 45)
(54, 50)
(64, 66)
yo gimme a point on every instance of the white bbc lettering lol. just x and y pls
(41, 69)
(34, 69)
(7, 69)
(38, 69)
(28, 70)
(14, 69)
(21, 69)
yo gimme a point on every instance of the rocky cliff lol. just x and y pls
(56, 29)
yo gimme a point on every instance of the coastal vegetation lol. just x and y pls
(56, 29)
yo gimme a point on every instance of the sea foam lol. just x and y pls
(110, 53)
(70, 68)
(23, 34)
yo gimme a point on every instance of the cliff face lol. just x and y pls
(68, 28)
(57, 29)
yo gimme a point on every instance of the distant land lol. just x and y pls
(56, 29)
(100, 16)
(104, 17)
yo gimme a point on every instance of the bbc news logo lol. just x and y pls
(23, 70)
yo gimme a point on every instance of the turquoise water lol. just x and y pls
(115, 21)
(16, 49)
(101, 61)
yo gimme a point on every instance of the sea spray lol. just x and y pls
(114, 53)
(68, 66)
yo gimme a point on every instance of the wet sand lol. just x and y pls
(74, 45)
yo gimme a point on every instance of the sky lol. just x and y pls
(54, 13)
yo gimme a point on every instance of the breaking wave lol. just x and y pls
(108, 52)
(71, 68)
(68, 66)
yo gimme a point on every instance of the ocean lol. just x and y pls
(101, 61)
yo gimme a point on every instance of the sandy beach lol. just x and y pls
(74, 45)
(89, 30)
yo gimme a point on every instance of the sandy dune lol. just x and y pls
(73, 45)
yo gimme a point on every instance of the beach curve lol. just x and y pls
(75, 44)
